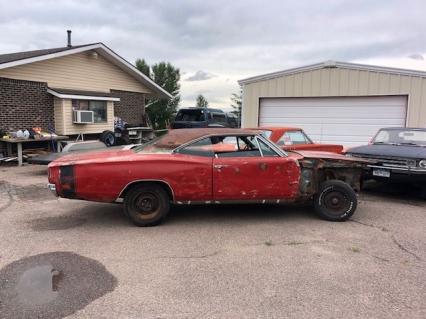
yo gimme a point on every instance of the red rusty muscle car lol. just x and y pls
(294, 139)
(209, 166)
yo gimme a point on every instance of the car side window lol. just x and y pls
(202, 147)
(235, 146)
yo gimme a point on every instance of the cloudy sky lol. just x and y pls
(215, 43)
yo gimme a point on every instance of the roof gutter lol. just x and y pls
(332, 64)
(82, 97)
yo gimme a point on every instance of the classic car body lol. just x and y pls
(399, 154)
(189, 166)
(293, 139)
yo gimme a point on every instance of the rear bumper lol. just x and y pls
(52, 188)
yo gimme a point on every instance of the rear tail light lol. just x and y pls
(67, 181)
(53, 175)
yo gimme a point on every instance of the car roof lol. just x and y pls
(177, 137)
(200, 109)
(279, 128)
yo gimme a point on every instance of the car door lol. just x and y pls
(192, 172)
(253, 172)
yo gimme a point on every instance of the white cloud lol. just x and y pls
(200, 76)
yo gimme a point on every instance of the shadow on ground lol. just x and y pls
(112, 215)
(398, 192)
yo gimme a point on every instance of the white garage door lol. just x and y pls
(349, 121)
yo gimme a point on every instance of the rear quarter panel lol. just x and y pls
(189, 177)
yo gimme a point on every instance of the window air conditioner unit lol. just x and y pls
(83, 117)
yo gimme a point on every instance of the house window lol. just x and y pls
(99, 109)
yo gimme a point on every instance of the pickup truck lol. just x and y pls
(203, 117)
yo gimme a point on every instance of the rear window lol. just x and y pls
(168, 142)
(218, 117)
(190, 115)
(266, 133)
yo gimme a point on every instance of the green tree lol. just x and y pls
(237, 103)
(201, 101)
(161, 111)
(142, 66)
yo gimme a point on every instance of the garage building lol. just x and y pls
(336, 102)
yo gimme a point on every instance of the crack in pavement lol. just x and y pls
(400, 246)
(289, 243)
(380, 258)
(370, 225)
(9, 202)
(283, 243)
(191, 256)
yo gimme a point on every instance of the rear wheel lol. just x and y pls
(147, 205)
(335, 201)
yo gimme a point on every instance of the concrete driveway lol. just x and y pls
(209, 262)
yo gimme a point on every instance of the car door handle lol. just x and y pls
(219, 166)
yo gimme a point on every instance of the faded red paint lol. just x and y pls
(103, 175)
(255, 178)
(278, 132)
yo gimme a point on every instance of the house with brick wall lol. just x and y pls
(44, 88)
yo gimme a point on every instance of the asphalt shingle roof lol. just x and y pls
(11, 57)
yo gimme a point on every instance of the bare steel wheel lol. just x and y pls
(146, 205)
(335, 201)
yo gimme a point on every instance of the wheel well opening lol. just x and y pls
(164, 185)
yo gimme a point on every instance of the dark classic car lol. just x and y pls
(400, 155)
(208, 166)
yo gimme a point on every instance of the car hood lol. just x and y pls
(404, 151)
(93, 156)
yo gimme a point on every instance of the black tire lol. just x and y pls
(146, 205)
(123, 140)
(108, 138)
(335, 201)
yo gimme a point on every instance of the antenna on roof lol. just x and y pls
(69, 38)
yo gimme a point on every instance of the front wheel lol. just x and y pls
(147, 205)
(335, 201)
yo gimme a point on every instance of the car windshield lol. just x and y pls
(403, 136)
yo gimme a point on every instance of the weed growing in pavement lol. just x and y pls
(355, 249)
(268, 243)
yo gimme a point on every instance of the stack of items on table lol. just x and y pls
(34, 133)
